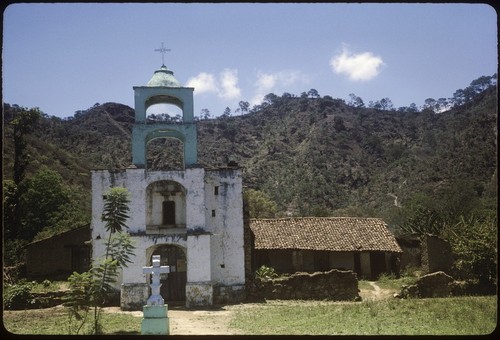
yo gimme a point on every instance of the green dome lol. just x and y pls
(163, 77)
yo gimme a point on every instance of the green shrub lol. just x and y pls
(265, 273)
(18, 296)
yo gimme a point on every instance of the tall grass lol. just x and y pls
(447, 316)
(54, 321)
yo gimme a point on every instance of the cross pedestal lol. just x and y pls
(155, 321)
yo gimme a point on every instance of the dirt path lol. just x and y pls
(376, 293)
(200, 322)
(216, 321)
(193, 322)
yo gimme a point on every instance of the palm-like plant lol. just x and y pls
(90, 289)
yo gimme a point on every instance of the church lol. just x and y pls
(192, 217)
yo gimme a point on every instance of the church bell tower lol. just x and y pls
(163, 88)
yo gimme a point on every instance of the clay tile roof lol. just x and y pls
(324, 233)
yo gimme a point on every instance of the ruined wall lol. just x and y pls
(412, 252)
(436, 254)
(433, 285)
(335, 285)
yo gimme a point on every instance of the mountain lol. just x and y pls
(312, 156)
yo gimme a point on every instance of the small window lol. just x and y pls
(168, 212)
(216, 190)
(213, 213)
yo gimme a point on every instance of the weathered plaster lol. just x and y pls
(208, 226)
(213, 257)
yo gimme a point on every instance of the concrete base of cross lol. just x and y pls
(155, 321)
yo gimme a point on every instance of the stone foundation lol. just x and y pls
(229, 294)
(133, 295)
(335, 285)
(199, 294)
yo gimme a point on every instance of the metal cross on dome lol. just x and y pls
(162, 50)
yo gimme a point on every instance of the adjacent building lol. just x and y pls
(363, 245)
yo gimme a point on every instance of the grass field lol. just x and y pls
(54, 321)
(444, 316)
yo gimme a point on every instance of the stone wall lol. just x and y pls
(436, 254)
(229, 294)
(433, 285)
(335, 285)
(133, 296)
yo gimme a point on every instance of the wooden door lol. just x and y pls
(173, 288)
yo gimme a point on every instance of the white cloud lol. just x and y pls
(265, 81)
(268, 82)
(203, 82)
(225, 85)
(358, 67)
(229, 84)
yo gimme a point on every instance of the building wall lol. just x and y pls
(365, 264)
(52, 258)
(220, 257)
(342, 260)
(436, 254)
(227, 261)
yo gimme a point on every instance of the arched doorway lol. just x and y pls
(173, 289)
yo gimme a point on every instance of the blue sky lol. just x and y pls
(67, 57)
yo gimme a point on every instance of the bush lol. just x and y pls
(18, 296)
(265, 273)
(474, 244)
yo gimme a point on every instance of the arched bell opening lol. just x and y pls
(164, 113)
(165, 154)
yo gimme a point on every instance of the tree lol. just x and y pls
(312, 93)
(243, 106)
(355, 101)
(44, 196)
(338, 124)
(205, 113)
(91, 289)
(413, 108)
(430, 104)
(24, 123)
(442, 104)
(227, 113)
(9, 208)
(473, 241)
(481, 84)
(386, 104)
(271, 99)
(259, 204)
(375, 105)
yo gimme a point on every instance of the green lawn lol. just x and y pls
(54, 321)
(445, 316)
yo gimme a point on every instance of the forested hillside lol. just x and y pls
(307, 155)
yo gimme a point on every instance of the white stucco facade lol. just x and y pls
(192, 217)
(210, 232)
